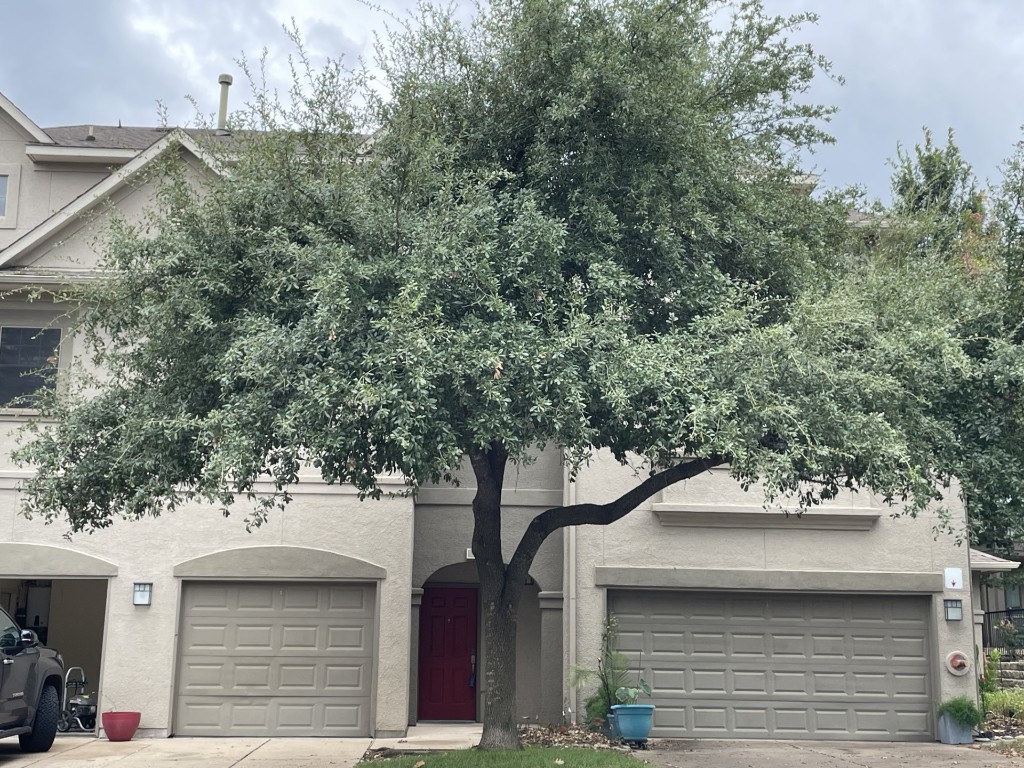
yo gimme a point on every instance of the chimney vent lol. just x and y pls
(222, 116)
(90, 136)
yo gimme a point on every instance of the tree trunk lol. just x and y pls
(500, 592)
(500, 727)
(501, 585)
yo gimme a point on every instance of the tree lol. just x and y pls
(575, 225)
(939, 216)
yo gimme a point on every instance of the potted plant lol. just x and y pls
(612, 673)
(957, 719)
(634, 720)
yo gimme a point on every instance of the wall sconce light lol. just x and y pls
(954, 610)
(143, 593)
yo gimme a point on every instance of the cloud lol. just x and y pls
(911, 63)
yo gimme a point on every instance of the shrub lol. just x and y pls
(1007, 633)
(612, 673)
(964, 711)
(1006, 702)
(989, 681)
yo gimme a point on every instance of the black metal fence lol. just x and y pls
(1005, 630)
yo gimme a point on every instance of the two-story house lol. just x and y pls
(341, 618)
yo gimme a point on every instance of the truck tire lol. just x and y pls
(44, 727)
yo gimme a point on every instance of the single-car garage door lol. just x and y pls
(284, 659)
(781, 666)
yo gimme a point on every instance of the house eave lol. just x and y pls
(982, 562)
(34, 131)
(105, 156)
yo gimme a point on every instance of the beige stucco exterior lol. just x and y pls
(705, 535)
(896, 555)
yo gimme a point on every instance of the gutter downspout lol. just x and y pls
(569, 499)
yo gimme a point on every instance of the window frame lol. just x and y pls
(1012, 594)
(9, 216)
(37, 314)
(37, 329)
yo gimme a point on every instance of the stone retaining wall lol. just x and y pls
(1011, 674)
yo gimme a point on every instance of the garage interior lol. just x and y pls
(67, 614)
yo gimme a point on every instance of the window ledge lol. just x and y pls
(22, 414)
(741, 516)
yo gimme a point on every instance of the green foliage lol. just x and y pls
(1006, 702)
(575, 226)
(935, 181)
(1007, 634)
(629, 694)
(612, 674)
(964, 711)
(941, 224)
(989, 682)
(569, 224)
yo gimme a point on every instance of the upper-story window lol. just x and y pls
(10, 178)
(28, 362)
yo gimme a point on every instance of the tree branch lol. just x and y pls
(549, 521)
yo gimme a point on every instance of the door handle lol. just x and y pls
(8, 661)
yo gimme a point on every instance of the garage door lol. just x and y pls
(747, 666)
(275, 660)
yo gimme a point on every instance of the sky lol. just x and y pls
(907, 64)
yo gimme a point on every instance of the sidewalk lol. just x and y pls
(434, 737)
(81, 751)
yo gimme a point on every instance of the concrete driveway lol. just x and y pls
(705, 753)
(82, 752)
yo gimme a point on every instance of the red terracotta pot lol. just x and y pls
(120, 726)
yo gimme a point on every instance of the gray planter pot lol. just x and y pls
(951, 732)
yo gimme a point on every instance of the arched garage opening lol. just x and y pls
(61, 594)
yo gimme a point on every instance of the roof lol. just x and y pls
(136, 137)
(107, 136)
(985, 563)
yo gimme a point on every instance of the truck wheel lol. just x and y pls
(44, 728)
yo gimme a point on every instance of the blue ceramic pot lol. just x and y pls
(634, 720)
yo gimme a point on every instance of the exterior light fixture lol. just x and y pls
(143, 593)
(954, 610)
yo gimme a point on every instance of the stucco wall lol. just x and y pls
(35, 192)
(858, 560)
(140, 648)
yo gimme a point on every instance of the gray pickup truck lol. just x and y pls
(30, 681)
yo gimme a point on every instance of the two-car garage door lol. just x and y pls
(283, 659)
(781, 666)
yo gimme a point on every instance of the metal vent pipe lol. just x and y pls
(222, 115)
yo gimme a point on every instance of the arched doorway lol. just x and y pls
(450, 649)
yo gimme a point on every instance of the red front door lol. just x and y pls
(448, 654)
